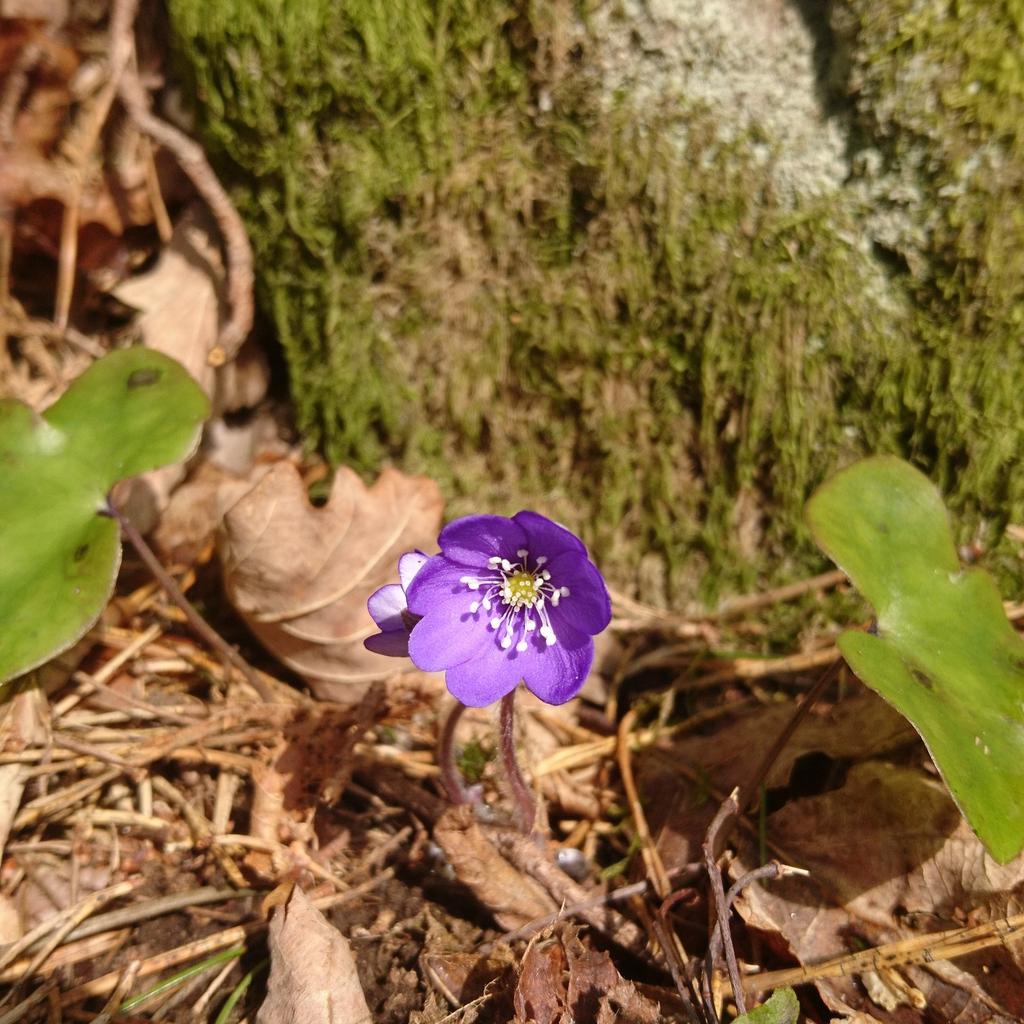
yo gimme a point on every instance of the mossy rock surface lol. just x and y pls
(484, 265)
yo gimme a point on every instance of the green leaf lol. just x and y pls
(944, 654)
(782, 1008)
(131, 411)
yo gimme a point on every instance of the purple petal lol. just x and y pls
(562, 675)
(409, 564)
(554, 673)
(439, 581)
(471, 540)
(449, 633)
(588, 606)
(546, 537)
(394, 643)
(484, 680)
(386, 606)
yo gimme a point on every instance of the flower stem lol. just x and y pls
(450, 777)
(526, 805)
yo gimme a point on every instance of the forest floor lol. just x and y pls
(162, 817)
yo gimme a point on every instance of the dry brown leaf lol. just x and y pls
(540, 994)
(679, 811)
(300, 575)
(309, 766)
(598, 992)
(890, 858)
(313, 977)
(563, 980)
(512, 898)
(181, 303)
(195, 510)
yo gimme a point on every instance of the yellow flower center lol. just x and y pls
(521, 588)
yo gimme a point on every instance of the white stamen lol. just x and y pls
(517, 596)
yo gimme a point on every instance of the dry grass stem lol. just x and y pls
(211, 944)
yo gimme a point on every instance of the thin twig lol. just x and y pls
(571, 910)
(921, 949)
(773, 869)
(88, 950)
(711, 846)
(17, 1013)
(648, 848)
(195, 620)
(754, 602)
(525, 854)
(201, 829)
(192, 159)
(123, 987)
(63, 924)
(150, 909)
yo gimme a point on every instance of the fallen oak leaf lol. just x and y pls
(299, 576)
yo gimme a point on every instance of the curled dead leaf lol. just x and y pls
(300, 576)
(313, 975)
(513, 898)
(540, 995)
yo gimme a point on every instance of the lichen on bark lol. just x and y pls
(481, 267)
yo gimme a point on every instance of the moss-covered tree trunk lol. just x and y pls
(655, 269)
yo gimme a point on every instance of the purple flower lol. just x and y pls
(507, 600)
(389, 609)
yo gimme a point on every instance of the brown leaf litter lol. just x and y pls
(313, 977)
(299, 575)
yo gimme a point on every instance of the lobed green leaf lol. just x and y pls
(131, 411)
(943, 654)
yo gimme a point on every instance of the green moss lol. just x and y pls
(480, 271)
(939, 95)
(473, 759)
